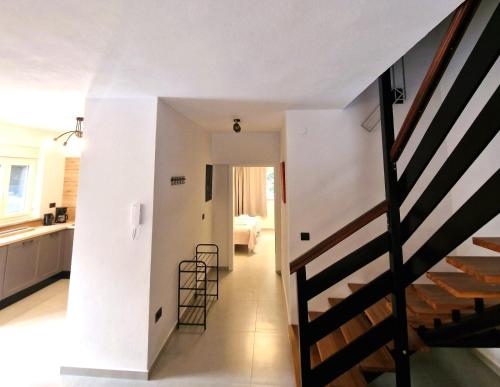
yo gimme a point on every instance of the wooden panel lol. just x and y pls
(379, 312)
(486, 269)
(293, 337)
(70, 187)
(330, 344)
(380, 360)
(492, 243)
(419, 312)
(438, 298)
(465, 286)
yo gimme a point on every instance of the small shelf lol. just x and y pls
(198, 286)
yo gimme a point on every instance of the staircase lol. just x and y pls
(381, 323)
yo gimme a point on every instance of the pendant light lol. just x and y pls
(77, 132)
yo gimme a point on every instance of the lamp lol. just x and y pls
(236, 125)
(77, 132)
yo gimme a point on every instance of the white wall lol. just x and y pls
(30, 142)
(334, 167)
(182, 148)
(246, 148)
(108, 307)
(222, 212)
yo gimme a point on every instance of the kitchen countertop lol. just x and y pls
(36, 232)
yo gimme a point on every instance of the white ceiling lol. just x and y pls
(213, 60)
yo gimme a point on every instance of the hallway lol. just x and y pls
(245, 344)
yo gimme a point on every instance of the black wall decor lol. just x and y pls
(209, 172)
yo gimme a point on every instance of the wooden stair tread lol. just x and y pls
(492, 243)
(419, 312)
(486, 269)
(330, 344)
(465, 286)
(379, 361)
(379, 312)
(438, 298)
(419, 307)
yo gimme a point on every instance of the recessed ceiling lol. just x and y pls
(212, 60)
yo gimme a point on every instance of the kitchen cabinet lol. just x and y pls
(67, 250)
(3, 259)
(20, 267)
(49, 253)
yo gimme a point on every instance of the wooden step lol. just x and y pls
(492, 243)
(421, 313)
(379, 361)
(379, 312)
(465, 286)
(330, 344)
(440, 299)
(486, 269)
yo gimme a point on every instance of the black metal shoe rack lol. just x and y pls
(198, 286)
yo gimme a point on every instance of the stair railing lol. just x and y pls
(481, 207)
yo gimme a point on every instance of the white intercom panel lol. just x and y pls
(135, 217)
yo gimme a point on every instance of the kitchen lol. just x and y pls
(38, 190)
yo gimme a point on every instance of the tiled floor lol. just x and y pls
(245, 344)
(246, 341)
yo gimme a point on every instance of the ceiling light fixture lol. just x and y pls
(77, 132)
(236, 125)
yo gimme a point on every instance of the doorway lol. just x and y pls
(254, 216)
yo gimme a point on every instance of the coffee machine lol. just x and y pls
(61, 214)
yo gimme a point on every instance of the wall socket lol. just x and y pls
(304, 236)
(158, 315)
(52, 205)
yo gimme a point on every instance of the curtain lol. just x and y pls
(250, 191)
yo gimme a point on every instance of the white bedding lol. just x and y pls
(245, 231)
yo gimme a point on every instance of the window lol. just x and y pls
(270, 183)
(17, 185)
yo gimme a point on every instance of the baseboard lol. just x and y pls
(104, 373)
(12, 299)
(486, 360)
(162, 348)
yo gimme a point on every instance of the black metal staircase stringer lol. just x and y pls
(344, 359)
(475, 69)
(484, 128)
(478, 210)
(468, 326)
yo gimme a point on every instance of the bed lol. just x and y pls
(245, 231)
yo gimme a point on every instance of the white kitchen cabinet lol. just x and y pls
(20, 267)
(49, 253)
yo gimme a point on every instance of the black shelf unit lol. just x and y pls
(198, 286)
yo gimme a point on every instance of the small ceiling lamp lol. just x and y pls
(77, 132)
(236, 125)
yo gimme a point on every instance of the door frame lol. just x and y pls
(277, 211)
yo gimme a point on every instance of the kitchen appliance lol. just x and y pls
(48, 219)
(61, 214)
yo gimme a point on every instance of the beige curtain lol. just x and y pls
(250, 191)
